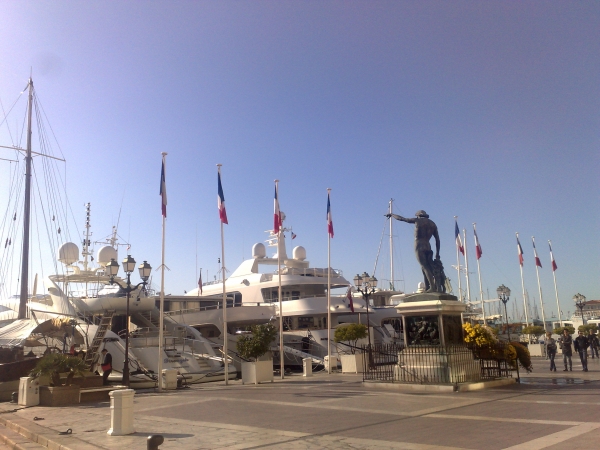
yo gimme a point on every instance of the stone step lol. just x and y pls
(12, 440)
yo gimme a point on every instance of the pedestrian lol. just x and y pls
(566, 345)
(581, 345)
(551, 350)
(594, 343)
(106, 366)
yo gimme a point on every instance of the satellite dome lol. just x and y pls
(258, 250)
(68, 253)
(105, 254)
(299, 253)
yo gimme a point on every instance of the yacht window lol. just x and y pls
(295, 295)
(306, 322)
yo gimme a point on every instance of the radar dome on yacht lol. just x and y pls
(299, 253)
(68, 253)
(258, 250)
(105, 254)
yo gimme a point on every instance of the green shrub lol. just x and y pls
(253, 346)
(351, 332)
(536, 330)
(587, 328)
(569, 328)
(523, 356)
(53, 364)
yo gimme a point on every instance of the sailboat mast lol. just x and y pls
(27, 213)
(391, 247)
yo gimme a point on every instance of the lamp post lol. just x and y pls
(504, 295)
(112, 269)
(366, 286)
(580, 302)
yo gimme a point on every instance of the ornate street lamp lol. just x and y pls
(580, 302)
(366, 286)
(504, 295)
(112, 269)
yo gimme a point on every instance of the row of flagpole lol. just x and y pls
(461, 247)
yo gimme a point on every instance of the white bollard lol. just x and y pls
(307, 366)
(29, 391)
(121, 412)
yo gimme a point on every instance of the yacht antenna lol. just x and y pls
(86, 240)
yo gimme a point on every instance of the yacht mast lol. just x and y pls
(26, 216)
(391, 248)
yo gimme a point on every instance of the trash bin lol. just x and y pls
(307, 367)
(29, 391)
(169, 379)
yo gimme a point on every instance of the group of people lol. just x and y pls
(566, 343)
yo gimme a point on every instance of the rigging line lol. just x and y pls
(4, 114)
(11, 108)
(379, 249)
(48, 122)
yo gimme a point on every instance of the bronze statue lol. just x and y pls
(425, 229)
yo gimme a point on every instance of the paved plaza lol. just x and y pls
(546, 411)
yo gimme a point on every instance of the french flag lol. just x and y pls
(277, 222)
(163, 189)
(537, 259)
(350, 299)
(520, 251)
(221, 202)
(478, 251)
(329, 218)
(554, 266)
(457, 236)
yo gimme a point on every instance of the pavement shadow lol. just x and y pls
(165, 435)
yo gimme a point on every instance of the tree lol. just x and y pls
(351, 332)
(253, 346)
(536, 330)
(589, 327)
(569, 328)
(53, 364)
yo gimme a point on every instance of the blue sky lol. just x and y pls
(485, 110)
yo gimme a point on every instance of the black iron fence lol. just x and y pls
(427, 364)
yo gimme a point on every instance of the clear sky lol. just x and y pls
(484, 110)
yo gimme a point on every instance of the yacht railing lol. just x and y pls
(212, 307)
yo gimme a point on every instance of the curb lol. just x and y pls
(39, 435)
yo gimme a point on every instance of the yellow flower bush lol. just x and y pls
(481, 336)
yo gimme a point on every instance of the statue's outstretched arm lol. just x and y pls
(403, 219)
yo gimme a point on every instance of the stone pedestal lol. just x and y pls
(121, 412)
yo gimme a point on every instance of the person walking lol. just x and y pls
(106, 366)
(594, 343)
(581, 345)
(551, 350)
(566, 345)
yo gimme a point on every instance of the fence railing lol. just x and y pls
(424, 364)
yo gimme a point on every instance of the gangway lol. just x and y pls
(301, 354)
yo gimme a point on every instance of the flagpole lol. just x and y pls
(458, 263)
(523, 284)
(162, 285)
(467, 265)
(479, 276)
(537, 272)
(328, 289)
(225, 336)
(555, 289)
(392, 286)
(281, 357)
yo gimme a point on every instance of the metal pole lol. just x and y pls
(281, 357)
(460, 296)
(555, 289)
(537, 272)
(126, 364)
(27, 213)
(162, 295)
(225, 337)
(467, 265)
(328, 295)
(392, 287)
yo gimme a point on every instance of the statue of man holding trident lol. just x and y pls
(426, 228)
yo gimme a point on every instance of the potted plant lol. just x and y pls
(252, 347)
(52, 366)
(351, 333)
